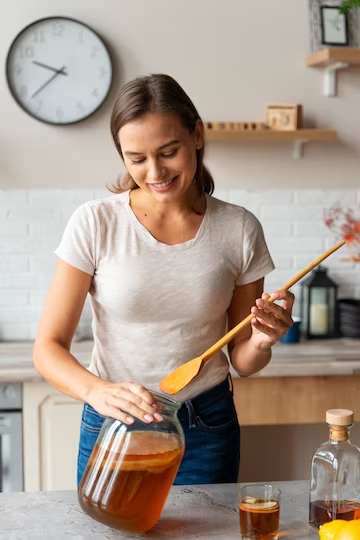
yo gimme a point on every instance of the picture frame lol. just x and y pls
(284, 117)
(334, 26)
(315, 30)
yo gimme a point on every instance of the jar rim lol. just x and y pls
(165, 400)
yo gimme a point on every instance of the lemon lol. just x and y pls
(340, 529)
(329, 531)
(351, 531)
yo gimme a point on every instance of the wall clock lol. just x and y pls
(59, 70)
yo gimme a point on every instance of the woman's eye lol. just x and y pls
(138, 161)
(171, 154)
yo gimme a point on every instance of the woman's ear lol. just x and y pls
(199, 134)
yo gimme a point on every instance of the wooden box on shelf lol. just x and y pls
(284, 117)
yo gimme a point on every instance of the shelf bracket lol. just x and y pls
(330, 75)
(298, 148)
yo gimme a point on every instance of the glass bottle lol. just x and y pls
(132, 468)
(335, 473)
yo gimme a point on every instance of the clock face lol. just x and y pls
(59, 70)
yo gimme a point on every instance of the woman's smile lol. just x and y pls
(163, 186)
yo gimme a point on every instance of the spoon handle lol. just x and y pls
(234, 331)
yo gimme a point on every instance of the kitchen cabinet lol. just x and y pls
(51, 424)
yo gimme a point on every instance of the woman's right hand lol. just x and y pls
(124, 401)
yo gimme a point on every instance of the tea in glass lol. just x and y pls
(324, 511)
(259, 507)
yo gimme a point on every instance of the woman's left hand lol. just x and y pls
(271, 321)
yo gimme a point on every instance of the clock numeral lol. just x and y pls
(81, 37)
(58, 29)
(17, 70)
(79, 106)
(94, 51)
(95, 92)
(23, 91)
(60, 113)
(26, 52)
(39, 36)
(39, 104)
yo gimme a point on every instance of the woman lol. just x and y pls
(168, 268)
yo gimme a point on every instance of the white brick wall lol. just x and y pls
(32, 222)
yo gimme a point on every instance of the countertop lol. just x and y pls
(310, 358)
(191, 512)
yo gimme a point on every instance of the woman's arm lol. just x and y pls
(53, 360)
(250, 351)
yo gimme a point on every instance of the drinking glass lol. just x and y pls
(259, 506)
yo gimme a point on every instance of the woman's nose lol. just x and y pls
(156, 172)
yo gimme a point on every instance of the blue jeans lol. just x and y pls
(212, 437)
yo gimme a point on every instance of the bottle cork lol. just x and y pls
(339, 417)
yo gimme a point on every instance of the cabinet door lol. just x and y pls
(51, 424)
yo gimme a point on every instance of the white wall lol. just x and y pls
(32, 222)
(232, 57)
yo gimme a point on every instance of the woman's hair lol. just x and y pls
(156, 93)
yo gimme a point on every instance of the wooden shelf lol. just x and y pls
(271, 135)
(332, 59)
(330, 56)
(299, 137)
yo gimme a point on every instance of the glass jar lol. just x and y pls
(132, 468)
(335, 473)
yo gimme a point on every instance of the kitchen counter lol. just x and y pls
(311, 358)
(191, 512)
(300, 383)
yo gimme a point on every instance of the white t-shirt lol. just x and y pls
(156, 306)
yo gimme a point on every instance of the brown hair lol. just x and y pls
(156, 93)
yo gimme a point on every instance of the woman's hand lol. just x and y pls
(271, 321)
(124, 401)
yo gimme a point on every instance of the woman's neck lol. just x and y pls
(192, 203)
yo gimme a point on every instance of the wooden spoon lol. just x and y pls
(184, 374)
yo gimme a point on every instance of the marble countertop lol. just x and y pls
(310, 358)
(191, 512)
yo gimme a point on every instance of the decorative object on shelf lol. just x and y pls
(59, 70)
(318, 304)
(346, 5)
(284, 117)
(345, 223)
(333, 26)
(234, 126)
(315, 20)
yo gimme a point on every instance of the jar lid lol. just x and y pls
(339, 417)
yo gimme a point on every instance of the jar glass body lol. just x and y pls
(335, 481)
(132, 468)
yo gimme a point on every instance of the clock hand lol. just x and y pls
(58, 72)
(48, 67)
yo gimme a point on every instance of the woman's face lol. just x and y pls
(160, 154)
